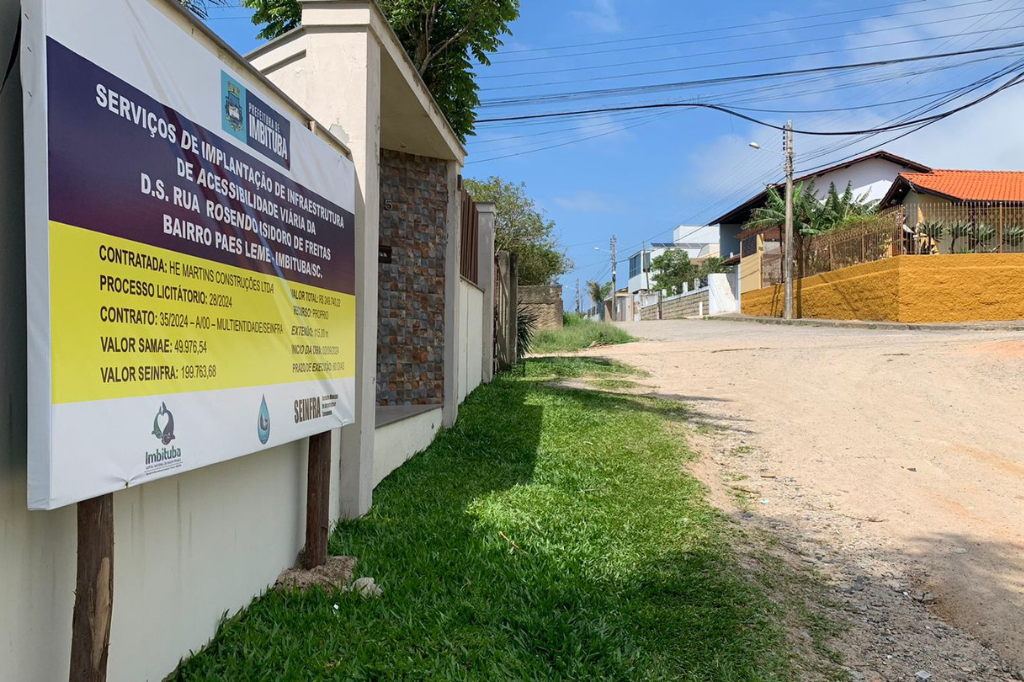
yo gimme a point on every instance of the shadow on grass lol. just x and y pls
(550, 534)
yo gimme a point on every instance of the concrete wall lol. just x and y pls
(399, 442)
(947, 288)
(187, 548)
(717, 298)
(722, 292)
(687, 305)
(471, 312)
(545, 302)
(750, 270)
(729, 244)
(869, 291)
(964, 287)
(410, 335)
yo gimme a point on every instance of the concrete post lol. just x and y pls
(507, 304)
(488, 217)
(342, 49)
(452, 296)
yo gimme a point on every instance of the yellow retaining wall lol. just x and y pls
(948, 288)
(966, 287)
(861, 292)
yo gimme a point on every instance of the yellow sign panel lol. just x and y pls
(131, 319)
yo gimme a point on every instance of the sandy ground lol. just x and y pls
(892, 461)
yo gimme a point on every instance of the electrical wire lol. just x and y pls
(749, 48)
(662, 87)
(759, 25)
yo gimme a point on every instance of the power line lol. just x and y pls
(714, 107)
(748, 49)
(662, 87)
(758, 25)
(760, 93)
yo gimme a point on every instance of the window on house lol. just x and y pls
(634, 266)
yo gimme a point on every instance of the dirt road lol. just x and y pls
(894, 459)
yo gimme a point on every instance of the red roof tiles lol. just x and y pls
(967, 185)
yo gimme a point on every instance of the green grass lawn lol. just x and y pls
(551, 534)
(577, 334)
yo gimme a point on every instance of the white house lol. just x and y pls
(870, 175)
(698, 241)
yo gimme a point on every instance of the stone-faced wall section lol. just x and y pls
(545, 302)
(410, 333)
(689, 305)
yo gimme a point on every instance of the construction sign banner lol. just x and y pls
(190, 251)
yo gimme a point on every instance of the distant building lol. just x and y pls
(698, 241)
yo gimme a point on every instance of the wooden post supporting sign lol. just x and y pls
(94, 590)
(318, 497)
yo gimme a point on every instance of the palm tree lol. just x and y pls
(599, 292)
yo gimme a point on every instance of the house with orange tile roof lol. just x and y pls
(962, 210)
(956, 185)
(945, 246)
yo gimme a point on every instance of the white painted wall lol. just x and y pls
(873, 177)
(187, 548)
(721, 296)
(191, 547)
(397, 443)
(471, 311)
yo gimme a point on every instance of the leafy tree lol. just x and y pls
(672, 268)
(710, 266)
(442, 38)
(521, 229)
(599, 292)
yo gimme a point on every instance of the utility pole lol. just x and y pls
(615, 314)
(644, 268)
(579, 300)
(788, 252)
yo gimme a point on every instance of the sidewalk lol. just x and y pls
(859, 324)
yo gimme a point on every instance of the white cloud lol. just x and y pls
(590, 202)
(989, 136)
(603, 18)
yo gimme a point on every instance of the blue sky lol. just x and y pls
(639, 174)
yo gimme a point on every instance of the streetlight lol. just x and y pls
(787, 312)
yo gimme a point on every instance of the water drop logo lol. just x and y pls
(263, 422)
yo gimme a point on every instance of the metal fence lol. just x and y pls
(469, 265)
(969, 227)
(916, 229)
(873, 239)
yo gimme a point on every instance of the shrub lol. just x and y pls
(526, 327)
(1013, 235)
